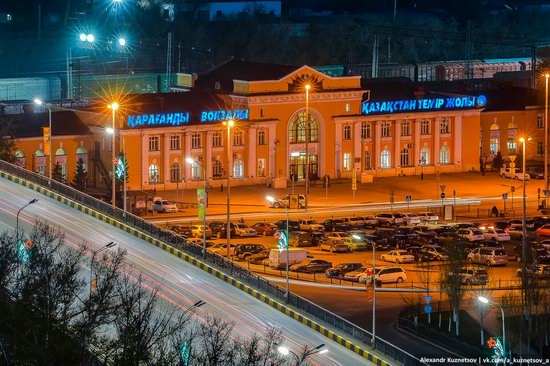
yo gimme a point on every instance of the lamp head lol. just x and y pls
(547, 75)
(109, 130)
(270, 198)
(283, 350)
(522, 139)
(90, 38)
(308, 86)
(114, 106)
(189, 160)
(483, 299)
(122, 42)
(82, 37)
(38, 101)
(230, 123)
(355, 236)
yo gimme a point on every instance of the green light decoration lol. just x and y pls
(185, 353)
(498, 354)
(23, 250)
(120, 167)
(283, 241)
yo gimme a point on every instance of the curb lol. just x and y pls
(258, 295)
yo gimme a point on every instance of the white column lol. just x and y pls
(338, 148)
(271, 136)
(357, 145)
(417, 146)
(377, 147)
(208, 162)
(144, 160)
(187, 147)
(252, 133)
(436, 143)
(397, 144)
(165, 174)
(457, 132)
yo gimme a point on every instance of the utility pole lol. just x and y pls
(374, 71)
(169, 60)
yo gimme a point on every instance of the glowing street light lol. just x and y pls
(82, 37)
(122, 42)
(90, 38)
(486, 301)
(307, 87)
(230, 123)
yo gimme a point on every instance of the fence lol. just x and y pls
(227, 266)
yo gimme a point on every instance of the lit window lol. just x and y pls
(196, 141)
(348, 107)
(154, 173)
(216, 139)
(175, 173)
(425, 156)
(195, 171)
(405, 161)
(365, 130)
(238, 169)
(261, 137)
(368, 163)
(386, 129)
(406, 128)
(540, 121)
(385, 159)
(175, 142)
(238, 138)
(424, 127)
(261, 167)
(512, 146)
(494, 145)
(444, 126)
(444, 155)
(297, 132)
(347, 132)
(347, 162)
(154, 144)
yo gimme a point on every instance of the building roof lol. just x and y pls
(26, 125)
(511, 98)
(242, 70)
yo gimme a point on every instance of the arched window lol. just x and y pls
(154, 173)
(385, 159)
(238, 170)
(297, 132)
(82, 153)
(217, 169)
(405, 161)
(494, 127)
(512, 126)
(444, 155)
(195, 171)
(425, 156)
(40, 161)
(368, 162)
(20, 158)
(175, 175)
(61, 159)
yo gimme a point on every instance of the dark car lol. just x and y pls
(243, 251)
(335, 225)
(540, 221)
(216, 226)
(317, 238)
(381, 243)
(449, 236)
(311, 266)
(425, 232)
(258, 258)
(537, 251)
(182, 230)
(420, 254)
(445, 229)
(222, 233)
(529, 224)
(408, 231)
(500, 225)
(300, 239)
(293, 225)
(339, 270)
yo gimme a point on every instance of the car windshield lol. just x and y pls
(310, 222)
(402, 253)
(429, 214)
(164, 202)
(398, 216)
(477, 232)
(242, 226)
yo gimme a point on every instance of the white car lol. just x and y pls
(354, 275)
(311, 225)
(370, 221)
(518, 174)
(411, 219)
(337, 235)
(428, 217)
(496, 235)
(198, 232)
(164, 206)
(385, 275)
(243, 230)
(397, 256)
(390, 219)
(221, 249)
(471, 234)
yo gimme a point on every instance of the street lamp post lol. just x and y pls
(271, 199)
(484, 300)
(94, 253)
(546, 134)
(373, 340)
(307, 87)
(190, 160)
(230, 123)
(285, 351)
(40, 102)
(109, 130)
(17, 217)
(113, 106)
(524, 140)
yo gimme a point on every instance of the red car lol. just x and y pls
(264, 228)
(544, 230)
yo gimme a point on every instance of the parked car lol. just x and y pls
(243, 230)
(221, 249)
(222, 233)
(488, 256)
(258, 258)
(354, 275)
(471, 234)
(472, 276)
(337, 235)
(410, 232)
(390, 219)
(385, 275)
(538, 270)
(216, 227)
(445, 229)
(516, 232)
(265, 228)
(285, 201)
(198, 231)
(335, 225)
(544, 230)
(334, 246)
(278, 259)
(301, 239)
(356, 243)
(182, 230)
(428, 217)
(529, 223)
(496, 235)
(465, 225)
(397, 256)
(411, 219)
(293, 225)
(370, 221)
(243, 251)
(339, 270)
(449, 236)
(355, 222)
(311, 266)
(425, 232)
(421, 255)
(438, 252)
(536, 251)
(311, 225)
(164, 206)
(545, 243)
(536, 172)
(517, 174)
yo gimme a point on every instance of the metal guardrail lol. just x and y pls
(227, 266)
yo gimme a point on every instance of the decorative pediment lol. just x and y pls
(299, 82)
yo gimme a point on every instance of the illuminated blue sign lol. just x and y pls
(223, 115)
(162, 119)
(419, 105)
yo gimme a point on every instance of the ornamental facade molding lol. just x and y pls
(297, 98)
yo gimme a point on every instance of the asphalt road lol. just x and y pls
(179, 283)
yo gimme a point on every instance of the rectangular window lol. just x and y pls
(261, 137)
(368, 164)
(512, 146)
(444, 126)
(216, 139)
(196, 141)
(347, 132)
(540, 120)
(425, 127)
(154, 143)
(493, 146)
(175, 142)
(238, 138)
(540, 148)
(365, 130)
(386, 130)
(261, 167)
(405, 128)
(347, 162)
